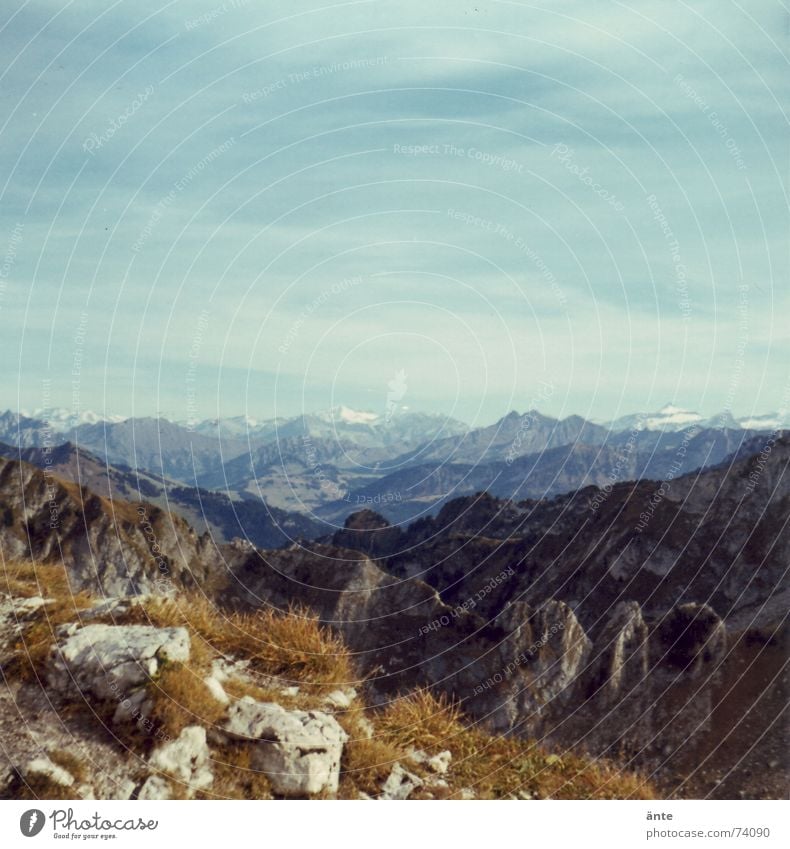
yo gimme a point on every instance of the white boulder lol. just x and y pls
(186, 759)
(400, 784)
(155, 789)
(45, 768)
(115, 662)
(299, 751)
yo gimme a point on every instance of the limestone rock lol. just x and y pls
(400, 784)
(437, 763)
(341, 698)
(620, 654)
(45, 768)
(114, 662)
(124, 790)
(298, 750)
(216, 689)
(185, 759)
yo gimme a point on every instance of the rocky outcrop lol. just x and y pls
(368, 532)
(185, 760)
(631, 681)
(620, 662)
(109, 547)
(299, 751)
(114, 663)
(690, 638)
(400, 784)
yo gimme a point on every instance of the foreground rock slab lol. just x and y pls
(186, 759)
(299, 751)
(115, 662)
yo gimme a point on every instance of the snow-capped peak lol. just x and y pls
(669, 417)
(767, 421)
(672, 410)
(350, 416)
(357, 416)
(62, 419)
(670, 414)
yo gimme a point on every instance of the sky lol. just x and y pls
(267, 208)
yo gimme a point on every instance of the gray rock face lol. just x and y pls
(110, 548)
(299, 751)
(620, 661)
(115, 662)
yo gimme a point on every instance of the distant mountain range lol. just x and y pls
(271, 480)
(404, 421)
(415, 490)
(670, 417)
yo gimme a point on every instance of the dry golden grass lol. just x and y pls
(367, 761)
(181, 698)
(234, 778)
(293, 648)
(25, 579)
(365, 767)
(421, 720)
(71, 763)
(497, 767)
(39, 786)
(29, 649)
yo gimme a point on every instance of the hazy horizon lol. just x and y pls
(382, 416)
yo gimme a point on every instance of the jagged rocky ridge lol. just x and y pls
(209, 511)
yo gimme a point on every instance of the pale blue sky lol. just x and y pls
(259, 233)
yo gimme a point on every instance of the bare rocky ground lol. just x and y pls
(34, 723)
